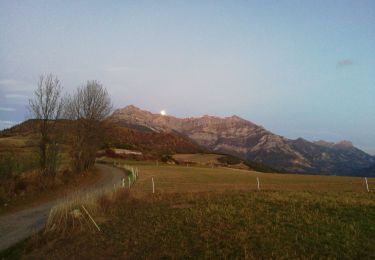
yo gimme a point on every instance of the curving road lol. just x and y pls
(19, 225)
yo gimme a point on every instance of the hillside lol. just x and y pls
(152, 144)
(368, 171)
(239, 137)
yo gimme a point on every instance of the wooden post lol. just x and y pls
(368, 190)
(93, 221)
(258, 183)
(129, 181)
(153, 185)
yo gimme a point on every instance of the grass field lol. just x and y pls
(175, 178)
(203, 212)
(198, 158)
(14, 142)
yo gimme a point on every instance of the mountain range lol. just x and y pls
(246, 140)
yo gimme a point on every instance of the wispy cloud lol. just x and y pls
(14, 99)
(344, 63)
(9, 82)
(120, 69)
(7, 109)
(16, 96)
(15, 85)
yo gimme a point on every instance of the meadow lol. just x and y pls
(185, 178)
(198, 158)
(205, 212)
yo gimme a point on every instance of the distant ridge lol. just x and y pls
(239, 137)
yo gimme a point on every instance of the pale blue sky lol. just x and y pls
(299, 68)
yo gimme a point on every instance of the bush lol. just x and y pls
(260, 167)
(230, 160)
(166, 157)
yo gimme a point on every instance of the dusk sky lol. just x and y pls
(298, 68)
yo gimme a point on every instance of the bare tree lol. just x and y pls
(88, 107)
(46, 106)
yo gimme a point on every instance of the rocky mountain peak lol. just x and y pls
(131, 109)
(237, 136)
(235, 117)
(344, 144)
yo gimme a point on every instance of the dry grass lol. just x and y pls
(245, 225)
(16, 142)
(198, 158)
(200, 212)
(74, 213)
(201, 179)
(71, 217)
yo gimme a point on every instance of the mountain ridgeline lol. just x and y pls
(236, 136)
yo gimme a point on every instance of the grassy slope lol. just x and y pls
(151, 144)
(174, 178)
(22, 152)
(198, 158)
(205, 212)
(19, 152)
(221, 159)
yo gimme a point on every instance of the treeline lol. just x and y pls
(85, 108)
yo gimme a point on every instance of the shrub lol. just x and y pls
(230, 160)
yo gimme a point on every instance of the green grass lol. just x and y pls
(221, 159)
(270, 224)
(198, 158)
(175, 178)
(14, 141)
(203, 212)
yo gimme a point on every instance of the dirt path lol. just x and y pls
(19, 225)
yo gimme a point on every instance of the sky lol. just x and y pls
(298, 68)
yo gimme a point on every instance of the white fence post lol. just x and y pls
(123, 182)
(258, 183)
(153, 185)
(129, 181)
(368, 190)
